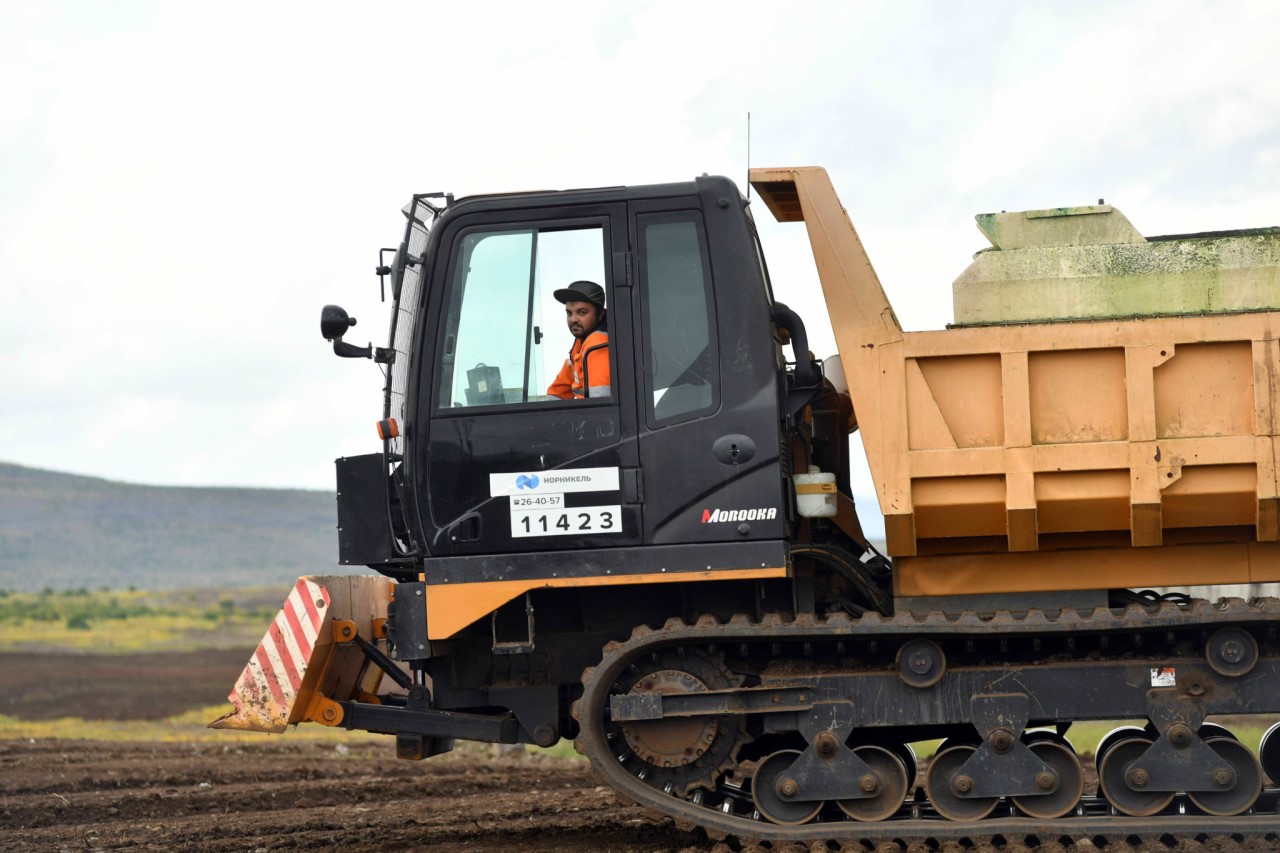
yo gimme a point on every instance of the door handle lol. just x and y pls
(466, 529)
(733, 449)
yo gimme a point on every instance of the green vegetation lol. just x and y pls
(189, 726)
(125, 621)
(192, 727)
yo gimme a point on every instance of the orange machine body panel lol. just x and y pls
(452, 607)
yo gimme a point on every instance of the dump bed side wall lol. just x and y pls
(1073, 435)
(991, 446)
(1123, 454)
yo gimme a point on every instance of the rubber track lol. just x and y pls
(910, 824)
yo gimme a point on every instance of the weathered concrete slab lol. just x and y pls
(1089, 262)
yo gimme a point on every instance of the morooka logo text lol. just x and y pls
(712, 516)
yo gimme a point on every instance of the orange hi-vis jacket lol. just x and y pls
(569, 383)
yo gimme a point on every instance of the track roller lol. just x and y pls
(770, 788)
(1114, 784)
(1113, 737)
(1248, 782)
(1269, 753)
(894, 781)
(945, 788)
(1060, 800)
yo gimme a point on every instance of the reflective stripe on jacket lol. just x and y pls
(568, 385)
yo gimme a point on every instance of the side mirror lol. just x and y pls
(398, 265)
(400, 261)
(334, 322)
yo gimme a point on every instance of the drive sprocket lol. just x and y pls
(676, 755)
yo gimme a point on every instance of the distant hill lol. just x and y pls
(62, 531)
(65, 531)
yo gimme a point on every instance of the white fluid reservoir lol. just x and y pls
(815, 494)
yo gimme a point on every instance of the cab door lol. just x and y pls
(709, 402)
(506, 467)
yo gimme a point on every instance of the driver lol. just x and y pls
(586, 370)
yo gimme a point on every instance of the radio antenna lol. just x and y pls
(748, 155)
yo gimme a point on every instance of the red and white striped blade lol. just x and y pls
(267, 690)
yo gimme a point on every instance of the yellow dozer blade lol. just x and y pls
(310, 657)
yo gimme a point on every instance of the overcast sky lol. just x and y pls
(184, 185)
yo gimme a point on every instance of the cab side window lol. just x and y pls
(505, 336)
(682, 363)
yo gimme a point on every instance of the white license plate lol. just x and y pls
(575, 521)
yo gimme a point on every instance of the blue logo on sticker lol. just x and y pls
(527, 481)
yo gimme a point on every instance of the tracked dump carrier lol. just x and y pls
(672, 574)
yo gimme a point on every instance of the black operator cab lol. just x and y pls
(644, 439)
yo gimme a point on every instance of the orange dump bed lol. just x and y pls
(1065, 455)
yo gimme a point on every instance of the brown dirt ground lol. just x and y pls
(75, 794)
(116, 687)
(58, 794)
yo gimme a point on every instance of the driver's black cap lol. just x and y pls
(581, 291)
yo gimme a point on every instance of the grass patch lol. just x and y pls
(130, 621)
(192, 727)
(189, 726)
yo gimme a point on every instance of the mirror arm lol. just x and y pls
(381, 355)
(346, 350)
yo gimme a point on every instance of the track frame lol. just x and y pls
(877, 698)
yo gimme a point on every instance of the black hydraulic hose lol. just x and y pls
(806, 373)
(1146, 598)
(384, 663)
